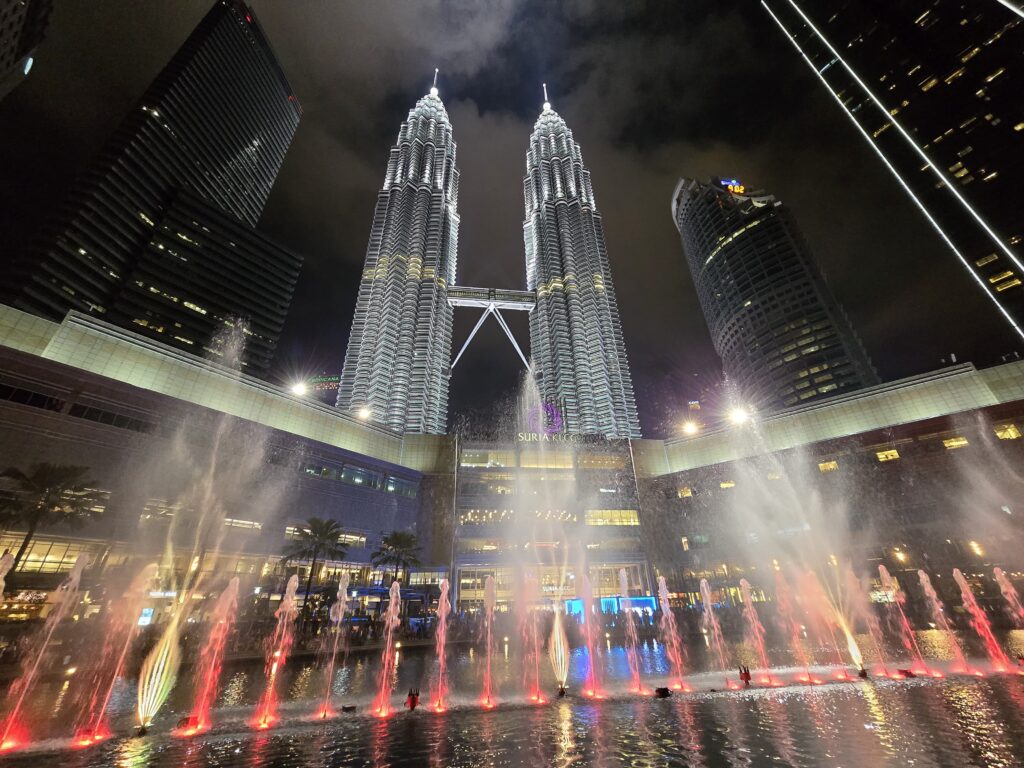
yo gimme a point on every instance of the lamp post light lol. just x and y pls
(299, 388)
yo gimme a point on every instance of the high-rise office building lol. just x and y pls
(934, 86)
(783, 338)
(204, 271)
(397, 361)
(22, 28)
(216, 122)
(579, 356)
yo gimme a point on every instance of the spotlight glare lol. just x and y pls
(364, 413)
(739, 415)
(691, 428)
(299, 388)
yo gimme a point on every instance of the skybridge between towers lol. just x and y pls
(492, 301)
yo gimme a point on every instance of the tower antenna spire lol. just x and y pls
(547, 104)
(435, 77)
(433, 88)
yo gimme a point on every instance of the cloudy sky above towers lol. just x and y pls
(652, 91)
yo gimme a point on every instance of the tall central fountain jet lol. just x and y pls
(396, 365)
(579, 356)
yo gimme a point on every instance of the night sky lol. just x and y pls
(652, 91)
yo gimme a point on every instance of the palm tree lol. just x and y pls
(48, 493)
(398, 548)
(318, 540)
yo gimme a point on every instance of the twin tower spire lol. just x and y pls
(398, 360)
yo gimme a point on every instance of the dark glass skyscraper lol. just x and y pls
(22, 28)
(399, 350)
(783, 338)
(579, 355)
(935, 87)
(215, 123)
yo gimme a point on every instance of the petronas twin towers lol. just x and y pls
(398, 360)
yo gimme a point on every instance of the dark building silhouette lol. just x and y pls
(935, 87)
(22, 28)
(783, 338)
(215, 123)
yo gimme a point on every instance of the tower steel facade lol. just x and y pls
(214, 125)
(576, 343)
(397, 362)
(934, 86)
(783, 338)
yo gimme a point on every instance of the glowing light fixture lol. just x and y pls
(364, 413)
(691, 428)
(739, 415)
(299, 388)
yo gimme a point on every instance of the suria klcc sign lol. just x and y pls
(544, 424)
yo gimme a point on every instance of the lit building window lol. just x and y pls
(686, 544)
(1008, 432)
(685, 492)
(828, 466)
(612, 517)
(727, 484)
(954, 442)
(890, 455)
(976, 549)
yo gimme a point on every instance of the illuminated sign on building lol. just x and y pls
(733, 186)
(324, 382)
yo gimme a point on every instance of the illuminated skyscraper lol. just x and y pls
(579, 356)
(22, 28)
(782, 337)
(397, 362)
(131, 242)
(935, 87)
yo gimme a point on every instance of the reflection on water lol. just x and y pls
(958, 721)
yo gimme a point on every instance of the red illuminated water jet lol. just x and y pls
(670, 635)
(439, 696)
(388, 661)
(277, 655)
(981, 624)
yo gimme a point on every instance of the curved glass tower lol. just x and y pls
(396, 365)
(579, 356)
(783, 338)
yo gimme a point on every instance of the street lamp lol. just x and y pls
(364, 413)
(691, 427)
(299, 388)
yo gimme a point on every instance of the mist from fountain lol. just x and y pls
(593, 685)
(670, 637)
(821, 613)
(14, 730)
(278, 646)
(122, 628)
(981, 623)
(388, 660)
(938, 612)
(907, 636)
(1013, 604)
(791, 626)
(328, 652)
(439, 696)
(755, 630)
(206, 677)
(632, 641)
(490, 599)
(529, 634)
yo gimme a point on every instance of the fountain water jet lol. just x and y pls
(558, 650)
(278, 647)
(490, 598)
(530, 636)
(439, 697)
(388, 662)
(860, 608)
(712, 630)
(631, 637)
(207, 672)
(981, 624)
(938, 612)
(66, 598)
(670, 637)
(1013, 603)
(823, 614)
(122, 628)
(159, 673)
(907, 636)
(592, 687)
(329, 647)
(755, 630)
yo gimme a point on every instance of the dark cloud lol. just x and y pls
(652, 91)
